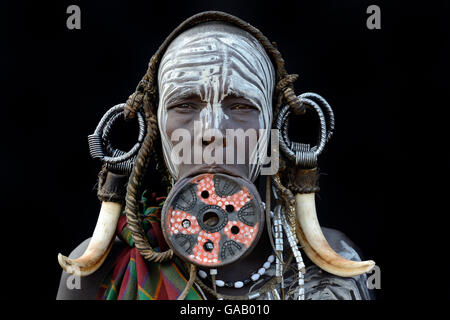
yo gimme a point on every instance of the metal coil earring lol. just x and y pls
(303, 154)
(101, 148)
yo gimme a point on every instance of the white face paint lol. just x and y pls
(212, 61)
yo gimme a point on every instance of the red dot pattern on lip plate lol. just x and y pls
(206, 183)
(175, 222)
(200, 255)
(246, 234)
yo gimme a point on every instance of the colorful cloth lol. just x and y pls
(134, 278)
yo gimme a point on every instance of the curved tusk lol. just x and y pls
(316, 246)
(100, 244)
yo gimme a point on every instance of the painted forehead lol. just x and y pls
(221, 57)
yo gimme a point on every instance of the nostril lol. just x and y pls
(211, 140)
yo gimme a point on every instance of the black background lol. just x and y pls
(60, 82)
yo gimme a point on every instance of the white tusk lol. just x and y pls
(316, 246)
(100, 244)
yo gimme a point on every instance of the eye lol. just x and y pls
(183, 107)
(241, 106)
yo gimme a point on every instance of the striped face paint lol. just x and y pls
(213, 61)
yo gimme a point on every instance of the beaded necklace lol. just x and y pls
(239, 284)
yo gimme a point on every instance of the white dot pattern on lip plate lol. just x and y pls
(175, 222)
(200, 255)
(237, 200)
(244, 234)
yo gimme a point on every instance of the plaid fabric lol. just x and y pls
(133, 278)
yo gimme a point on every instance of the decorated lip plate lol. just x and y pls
(212, 220)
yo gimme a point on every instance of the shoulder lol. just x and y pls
(86, 288)
(321, 285)
(342, 244)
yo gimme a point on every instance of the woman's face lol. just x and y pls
(215, 78)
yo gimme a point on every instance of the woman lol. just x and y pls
(216, 80)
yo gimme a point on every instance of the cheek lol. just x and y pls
(245, 121)
(176, 120)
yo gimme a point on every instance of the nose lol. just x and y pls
(212, 117)
(206, 142)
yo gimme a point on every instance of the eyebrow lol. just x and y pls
(233, 94)
(175, 97)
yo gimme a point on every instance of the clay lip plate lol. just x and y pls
(229, 218)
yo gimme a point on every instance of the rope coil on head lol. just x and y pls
(285, 85)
